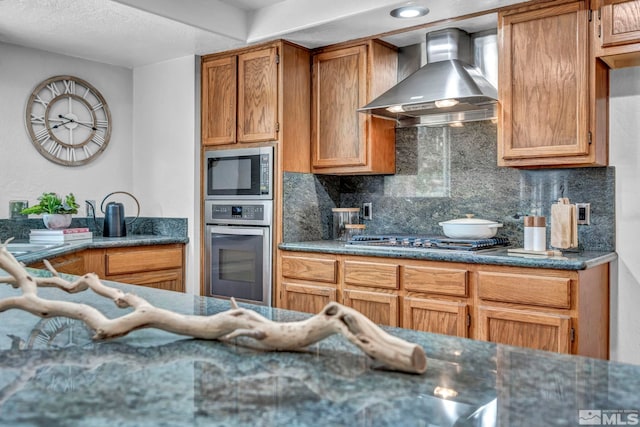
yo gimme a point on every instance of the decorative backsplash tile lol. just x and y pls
(445, 173)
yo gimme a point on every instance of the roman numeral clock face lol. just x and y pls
(68, 120)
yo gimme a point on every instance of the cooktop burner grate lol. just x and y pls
(428, 242)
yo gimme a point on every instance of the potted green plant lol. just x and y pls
(56, 212)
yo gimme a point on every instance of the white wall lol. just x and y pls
(24, 173)
(624, 152)
(165, 153)
(153, 149)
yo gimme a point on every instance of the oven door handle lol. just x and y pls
(239, 231)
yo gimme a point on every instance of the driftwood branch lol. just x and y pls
(335, 318)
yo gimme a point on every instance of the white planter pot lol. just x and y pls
(56, 221)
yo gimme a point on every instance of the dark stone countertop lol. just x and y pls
(144, 231)
(97, 242)
(499, 256)
(52, 374)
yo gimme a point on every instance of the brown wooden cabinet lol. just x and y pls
(308, 298)
(381, 308)
(219, 94)
(73, 263)
(240, 98)
(345, 78)
(259, 94)
(557, 310)
(156, 266)
(618, 32)
(159, 267)
(620, 22)
(437, 316)
(542, 331)
(525, 326)
(436, 299)
(308, 282)
(551, 88)
(369, 286)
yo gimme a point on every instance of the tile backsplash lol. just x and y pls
(445, 173)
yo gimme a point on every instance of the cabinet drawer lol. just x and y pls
(435, 280)
(314, 269)
(141, 260)
(525, 289)
(371, 274)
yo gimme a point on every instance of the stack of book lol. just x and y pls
(60, 236)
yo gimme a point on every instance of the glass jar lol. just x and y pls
(352, 230)
(341, 217)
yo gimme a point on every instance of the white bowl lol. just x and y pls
(470, 228)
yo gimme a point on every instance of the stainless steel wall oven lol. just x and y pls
(238, 232)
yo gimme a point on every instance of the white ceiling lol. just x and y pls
(132, 33)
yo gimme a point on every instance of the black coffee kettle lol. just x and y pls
(115, 224)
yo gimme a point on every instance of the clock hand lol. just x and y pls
(60, 124)
(73, 121)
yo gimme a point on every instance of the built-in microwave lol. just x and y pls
(243, 173)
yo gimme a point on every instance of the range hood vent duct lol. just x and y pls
(421, 99)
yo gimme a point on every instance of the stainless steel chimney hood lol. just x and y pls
(448, 89)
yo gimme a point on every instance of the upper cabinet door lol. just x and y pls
(219, 101)
(345, 78)
(621, 22)
(339, 89)
(544, 86)
(258, 95)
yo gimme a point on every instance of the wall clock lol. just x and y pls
(68, 120)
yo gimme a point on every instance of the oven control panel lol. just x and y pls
(238, 212)
(243, 212)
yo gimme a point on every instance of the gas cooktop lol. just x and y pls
(427, 242)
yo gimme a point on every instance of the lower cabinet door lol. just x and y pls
(441, 317)
(378, 307)
(307, 298)
(551, 332)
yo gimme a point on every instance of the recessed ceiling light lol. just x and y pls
(409, 12)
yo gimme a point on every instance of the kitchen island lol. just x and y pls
(51, 373)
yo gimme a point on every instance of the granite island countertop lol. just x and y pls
(51, 373)
(497, 256)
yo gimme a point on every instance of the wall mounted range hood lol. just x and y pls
(447, 90)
